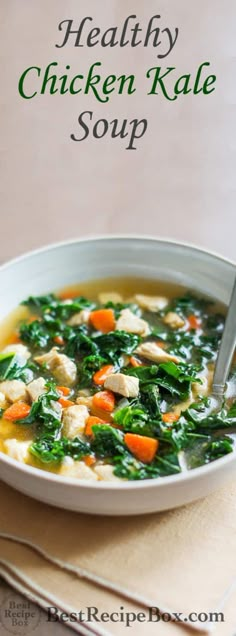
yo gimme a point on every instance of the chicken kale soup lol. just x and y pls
(113, 385)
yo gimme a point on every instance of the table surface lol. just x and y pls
(179, 183)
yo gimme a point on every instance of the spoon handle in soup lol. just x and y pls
(227, 348)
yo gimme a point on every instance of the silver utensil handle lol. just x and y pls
(227, 348)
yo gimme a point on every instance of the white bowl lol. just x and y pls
(59, 265)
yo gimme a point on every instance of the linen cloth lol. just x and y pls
(180, 561)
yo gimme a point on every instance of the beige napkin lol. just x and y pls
(49, 585)
(182, 560)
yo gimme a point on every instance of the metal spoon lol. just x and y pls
(225, 354)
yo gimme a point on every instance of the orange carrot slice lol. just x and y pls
(63, 389)
(143, 448)
(104, 400)
(101, 414)
(194, 322)
(17, 411)
(59, 340)
(170, 417)
(161, 344)
(89, 460)
(103, 320)
(134, 362)
(101, 375)
(65, 403)
(90, 422)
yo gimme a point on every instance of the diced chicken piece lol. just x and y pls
(151, 303)
(19, 349)
(84, 393)
(110, 297)
(14, 390)
(105, 473)
(74, 419)
(86, 401)
(36, 388)
(81, 318)
(77, 469)
(62, 367)
(131, 323)
(173, 320)
(204, 388)
(84, 397)
(125, 385)
(151, 351)
(3, 402)
(17, 450)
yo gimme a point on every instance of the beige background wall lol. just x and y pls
(179, 183)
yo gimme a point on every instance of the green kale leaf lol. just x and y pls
(79, 342)
(58, 308)
(127, 467)
(218, 448)
(87, 368)
(36, 334)
(50, 450)
(198, 414)
(112, 345)
(174, 378)
(46, 411)
(107, 441)
(14, 367)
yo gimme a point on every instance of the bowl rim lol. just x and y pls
(158, 482)
(113, 237)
